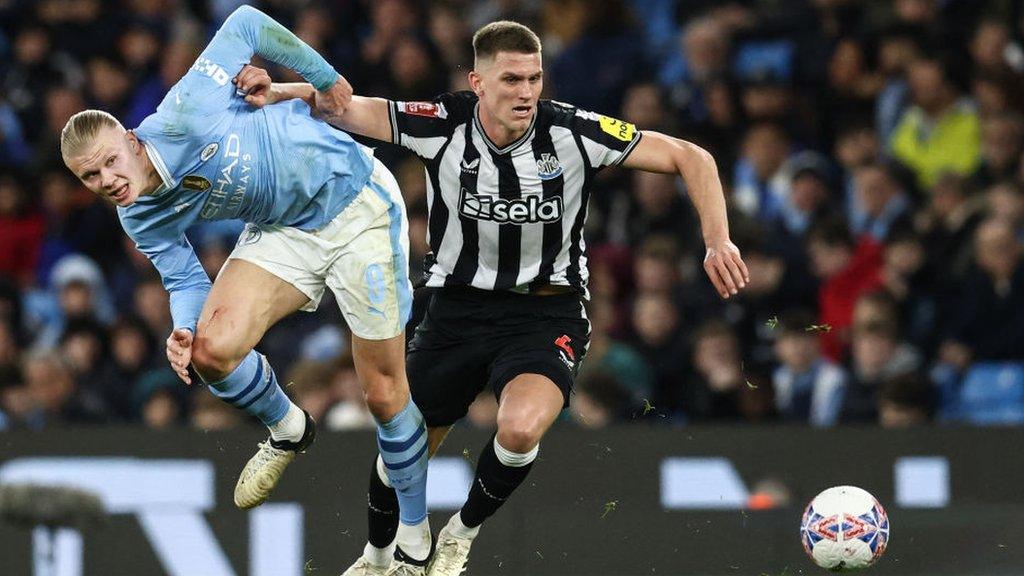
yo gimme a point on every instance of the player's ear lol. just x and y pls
(133, 141)
(476, 82)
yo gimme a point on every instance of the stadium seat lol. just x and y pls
(993, 393)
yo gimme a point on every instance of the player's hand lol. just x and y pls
(333, 102)
(179, 352)
(255, 83)
(725, 268)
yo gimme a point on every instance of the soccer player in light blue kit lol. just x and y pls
(320, 212)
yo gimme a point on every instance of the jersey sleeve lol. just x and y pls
(182, 274)
(424, 127)
(607, 141)
(206, 88)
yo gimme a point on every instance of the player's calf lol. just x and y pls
(252, 386)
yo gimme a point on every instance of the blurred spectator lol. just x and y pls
(1005, 202)
(760, 183)
(152, 304)
(877, 355)
(309, 384)
(52, 396)
(992, 49)
(713, 392)
(599, 401)
(704, 56)
(852, 87)
(880, 203)
(78, 292)
(36, 66)
(211, 414)
(988, 318)
(896, 50)
(847, 269)
(659, 340)
(808, 387)
(658, 208)
(350, 411)
(158, 399)
(940, 132)
(10, 355)
(132, 353)
(905, 401)
(595, 68)
(947, 224)
(1002, 142)
(21, 231)
(614, 359)
(907, 277)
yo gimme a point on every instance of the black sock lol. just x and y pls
(382, 512)
(493, 484)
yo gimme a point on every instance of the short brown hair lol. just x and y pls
(504, 36)
(81, 129)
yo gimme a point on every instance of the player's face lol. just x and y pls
(112, 166)
(509, 88)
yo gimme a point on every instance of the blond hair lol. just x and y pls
(80, 130)
(504, 36)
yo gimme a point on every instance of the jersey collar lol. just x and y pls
(161, 168)
(480, 128)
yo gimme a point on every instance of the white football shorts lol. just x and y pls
(361, 255)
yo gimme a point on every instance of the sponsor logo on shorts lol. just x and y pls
(529, 210)
(195, 182)
(428, 109)
(565, 352)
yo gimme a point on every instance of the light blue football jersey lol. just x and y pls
(220, 158)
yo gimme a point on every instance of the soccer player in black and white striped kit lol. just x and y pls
(508, 177)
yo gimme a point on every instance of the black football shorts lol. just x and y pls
(471, 338)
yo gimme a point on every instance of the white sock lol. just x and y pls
(291, 427)
(379, 556)
(514, 459)
(457, 528)
(414, 540)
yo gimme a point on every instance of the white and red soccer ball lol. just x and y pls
(844, 528)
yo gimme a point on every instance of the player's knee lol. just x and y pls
(384, 396)
(519, 435)
(214, 357)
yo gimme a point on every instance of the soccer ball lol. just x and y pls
(844, 528)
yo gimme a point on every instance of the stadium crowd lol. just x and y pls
(871, 153)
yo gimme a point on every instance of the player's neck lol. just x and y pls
(153, 179)
(498, 134)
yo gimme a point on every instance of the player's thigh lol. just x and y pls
(369, 273)
(244, 302)
(448, 361)
(553, 348)
(529, 405)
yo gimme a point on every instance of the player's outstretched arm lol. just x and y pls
(657, 152)
(362, 115)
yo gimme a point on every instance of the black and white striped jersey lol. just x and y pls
(511, 217)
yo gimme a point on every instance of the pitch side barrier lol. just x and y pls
(615, 502)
